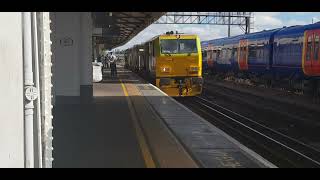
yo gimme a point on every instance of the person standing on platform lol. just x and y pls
(103, 59)
(107, 61)
(115, 64)
(112, 60)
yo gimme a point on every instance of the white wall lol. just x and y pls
(71, 67)
(86, 49)
(66, 58)
(11, 91)
(71, 64)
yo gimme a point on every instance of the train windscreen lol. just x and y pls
(178, 46)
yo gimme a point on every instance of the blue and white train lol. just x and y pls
(286, 57)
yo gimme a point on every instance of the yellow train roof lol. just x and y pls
(181, 36)
(168, 36)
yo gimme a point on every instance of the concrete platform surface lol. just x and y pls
(131, 123)
(116, 130)
(208, 145)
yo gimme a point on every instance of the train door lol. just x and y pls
(139, 61)
(311, 57)
(243, 54)
(210, 56)
(152, 58)
(204, 58)
(148, 57)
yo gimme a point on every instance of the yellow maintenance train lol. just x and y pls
(172, 62)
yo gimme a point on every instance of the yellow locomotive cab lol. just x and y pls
(174, 62)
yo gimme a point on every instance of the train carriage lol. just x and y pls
(258, 56)
(296, 57)
(296, 51)
(204, 48)
(287, 56)
(226, 54)
(173, 62)
(222, 54)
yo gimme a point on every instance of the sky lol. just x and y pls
(262, 21)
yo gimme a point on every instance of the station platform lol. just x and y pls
(131, 123)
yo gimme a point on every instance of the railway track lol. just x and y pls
(275, 146)
(298, 123)
(272, 104)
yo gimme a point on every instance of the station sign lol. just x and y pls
(67, 41)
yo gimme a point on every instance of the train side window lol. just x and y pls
(309, 47)
(259, 52)
(233, 52)
(218, 53)
(244, 52)
(204, 54)
(236, 52)
(253, 51)
(228, 54)
(213, 55)
(316, 47)
(150, 50)
(225, 53)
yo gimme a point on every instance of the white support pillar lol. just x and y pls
(86, 91)
(11, 93)
(67, 54)
(29, 84)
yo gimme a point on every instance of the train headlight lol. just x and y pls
(165, 69)
(193, 69)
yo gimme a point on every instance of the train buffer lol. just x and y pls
(131, 123)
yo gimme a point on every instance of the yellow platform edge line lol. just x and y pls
(141, 139)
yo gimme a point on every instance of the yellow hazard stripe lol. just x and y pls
(141, 139)
(124, 89)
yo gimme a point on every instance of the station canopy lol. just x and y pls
(114, 29)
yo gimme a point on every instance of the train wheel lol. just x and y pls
(268, 83)
(311, 88)
(317, 91)
(314, 90)
(299, 87)
(291, 85)
(211, 72)
(306, 87)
